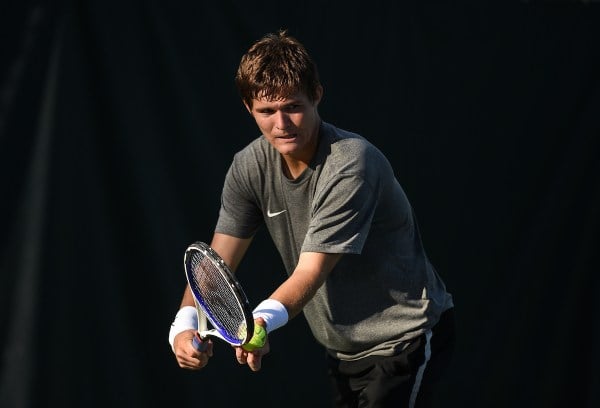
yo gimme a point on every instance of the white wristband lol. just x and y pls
(272, 312)
(185, 319)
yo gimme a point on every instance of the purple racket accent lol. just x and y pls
(218, 294)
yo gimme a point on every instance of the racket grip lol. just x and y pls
(199, 344)
(258, 340)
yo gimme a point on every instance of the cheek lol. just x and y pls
(303, 118)
(263, 125)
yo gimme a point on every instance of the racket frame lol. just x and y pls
(203, 333)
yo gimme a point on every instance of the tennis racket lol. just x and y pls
(220, 299)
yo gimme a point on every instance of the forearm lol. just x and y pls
(230, 249)
(187, 298)
(310, 273)
(295, 293)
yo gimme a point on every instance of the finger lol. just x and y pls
(254, 361)
(207, 352)
(193, 367)
(189, 357)
(241, 355)
(193, 363)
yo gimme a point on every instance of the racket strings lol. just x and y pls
(218, 297)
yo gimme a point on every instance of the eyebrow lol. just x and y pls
(293, 101)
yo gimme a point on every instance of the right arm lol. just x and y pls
(231, 250)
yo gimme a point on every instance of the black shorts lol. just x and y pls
(404, 380)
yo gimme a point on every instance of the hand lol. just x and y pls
(186, 354)
(253, 358)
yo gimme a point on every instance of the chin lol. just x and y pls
(287, 147)
(287, 152)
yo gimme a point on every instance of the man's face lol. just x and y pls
(290, 124)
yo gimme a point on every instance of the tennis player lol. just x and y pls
(347, 236)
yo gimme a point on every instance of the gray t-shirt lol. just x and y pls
(384, 291)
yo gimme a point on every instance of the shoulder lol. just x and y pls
(257, 147)
(249, 165)
(351, 150)
(258, 153)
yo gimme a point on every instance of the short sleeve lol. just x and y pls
(342, 216)
(239, 215)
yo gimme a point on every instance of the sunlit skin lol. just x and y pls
(291, 125)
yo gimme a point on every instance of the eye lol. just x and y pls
(265, 111)
(295, 107)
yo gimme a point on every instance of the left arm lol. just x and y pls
(294, 293)
(310, 273)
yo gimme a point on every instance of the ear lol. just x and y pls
(319, 95)
(248, 108)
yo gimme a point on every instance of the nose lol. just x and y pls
(282, 121)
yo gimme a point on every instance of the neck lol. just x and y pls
(292, 169)
(294, 165)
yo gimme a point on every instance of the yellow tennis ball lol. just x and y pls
(258, 340)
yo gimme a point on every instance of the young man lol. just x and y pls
(347, 236)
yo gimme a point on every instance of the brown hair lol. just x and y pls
(276, 66)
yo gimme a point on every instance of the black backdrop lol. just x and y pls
(119, 119)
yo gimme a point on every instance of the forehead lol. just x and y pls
(280, 100)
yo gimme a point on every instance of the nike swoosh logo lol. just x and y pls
(273, 214)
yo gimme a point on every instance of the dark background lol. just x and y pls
(118, 121)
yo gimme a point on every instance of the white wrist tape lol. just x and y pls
(272, 312)
(185, 319)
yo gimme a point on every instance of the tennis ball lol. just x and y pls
(258, 340)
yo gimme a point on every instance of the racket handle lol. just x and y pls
(258, 340)
(199, 344)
